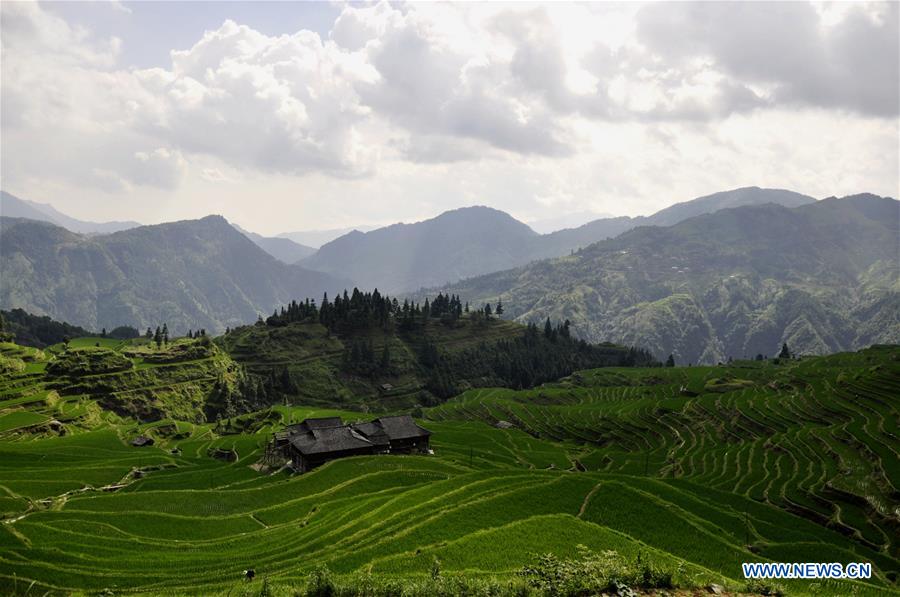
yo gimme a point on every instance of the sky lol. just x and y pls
(289, 116)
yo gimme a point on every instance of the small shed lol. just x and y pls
(141, 441)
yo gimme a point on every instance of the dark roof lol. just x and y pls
(314, 423)
(330, 439)
(142, 440)
(374, 432)
(320, 422)
(401, 427)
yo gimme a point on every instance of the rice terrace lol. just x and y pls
(686, 471)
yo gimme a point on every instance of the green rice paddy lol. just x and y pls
(798, 462)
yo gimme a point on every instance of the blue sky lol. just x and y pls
(153, 28)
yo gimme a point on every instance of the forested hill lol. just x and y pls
(822, 277)
(191, 274)
(362, 349)
(477, 240)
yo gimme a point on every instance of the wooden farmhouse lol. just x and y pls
(315, 441)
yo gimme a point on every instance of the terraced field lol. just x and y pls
(619, 460)
(817, 438)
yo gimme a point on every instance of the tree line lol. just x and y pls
(535, 357)
(360, 310)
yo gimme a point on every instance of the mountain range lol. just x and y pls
(317, 238)
(190, 274)
(14, 207)
(478, 240)
(282, 249)
(822, 277)
(727, 275)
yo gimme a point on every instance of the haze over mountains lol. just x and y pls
(189, 274)
(730, 274)
(822, 277)
(14, 207)
(282, 249)
(317, 238)
(478, 240)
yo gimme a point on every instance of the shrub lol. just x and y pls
(88, 361)
(320, 583)
(593, 573)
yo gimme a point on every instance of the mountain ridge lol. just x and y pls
(500, 246)
(189, 274)
(402, 256)
(282, 249)
(16, 207)
(734, 283)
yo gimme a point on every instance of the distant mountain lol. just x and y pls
(823, 277)
(564, 221)
(712, 203)
(317, 238)
(189, 274)
(478, 240)
(13, 207)
(561, 242)
(282, 249)
(454, 245)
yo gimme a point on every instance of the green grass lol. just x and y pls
(792, 464)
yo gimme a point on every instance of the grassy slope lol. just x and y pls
(189, 522)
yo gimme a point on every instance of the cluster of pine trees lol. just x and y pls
(534, 358)
(360, 357)
(537, 356)
(360, 310)
(35, 330)
(160, 337)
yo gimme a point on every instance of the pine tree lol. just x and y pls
(165, 333)
(385, 363)
(785, 352)
(103, 333)
(157, 337)
(670, 362)
(148, 334)
(499, 310)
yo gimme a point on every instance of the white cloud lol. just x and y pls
(620, 108)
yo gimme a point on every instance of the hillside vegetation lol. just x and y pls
(822, 277)
(684, 473)
(191, 274)
(363, 351)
